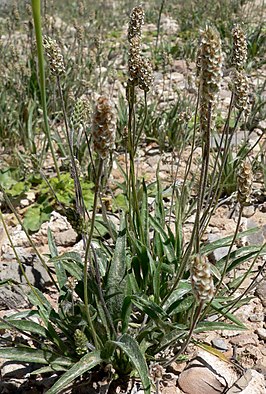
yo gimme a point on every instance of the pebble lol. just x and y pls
(252, 382)
(261, 292)
(11, 369)
(244, 340)
(206, 374)
(220, 344)
(256, 317)
(261, 333)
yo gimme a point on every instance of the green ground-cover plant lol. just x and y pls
(140, 294)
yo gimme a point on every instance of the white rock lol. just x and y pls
(252, 382)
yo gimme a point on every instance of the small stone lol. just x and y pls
(220, 344)
(261, 333)
(256, 317)
(244, 340)
(199, 379)
(261, 292)
(255, 238)
(24, 202)
(218, 253)
(206, 374)
(248, 211)
(12, 297)
(252, 382)
(11, 369)
(66, 238)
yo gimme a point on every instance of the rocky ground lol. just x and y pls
(246, 349)
(246, 372)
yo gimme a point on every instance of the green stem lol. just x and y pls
(36, 11)
(191, 331)
(87, 254)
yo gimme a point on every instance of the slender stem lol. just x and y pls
(159, 23)
(102, 300)
(191, 331)
(81, 209)
(87, 253)
(36, 10)
(217, 288)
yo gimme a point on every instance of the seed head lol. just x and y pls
(244, 180)
(135, 23)
(81, 341)
(79, 30)
(145, 76)
(134, 60)
(209, 70)
(15, 12)
(55, 56)
(201, 279)
(240, 87)
(81, 8)
(239, 48)
(80, 113)
(139, 68)
(103, 127)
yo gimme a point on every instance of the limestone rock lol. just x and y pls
(206, 374)
(252, 382)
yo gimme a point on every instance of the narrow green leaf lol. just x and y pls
(131, 348)
(212, 326)
(226, 241)
(167, 246)
(30, 355)
(51, 243)
(86, 363)
(24, 325)
(219, 308)
(68, 256)
(149, 307)
(116, 280)
(48, 369)
(73, 269)
(183, 306)
(59, 268)
(144, 215)
(172, 337)
(184, 287)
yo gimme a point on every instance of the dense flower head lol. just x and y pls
(135, 22)
(241, 88)
(80, 113)
(103, 127)
(139, 68)
(55, 56)
(81, 341)
(244, 180)
(209, 71)
(201, 278)
(239, 48)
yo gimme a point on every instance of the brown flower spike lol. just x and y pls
(103, 127)
(139, 68)
(239, 48)
(244, 180)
